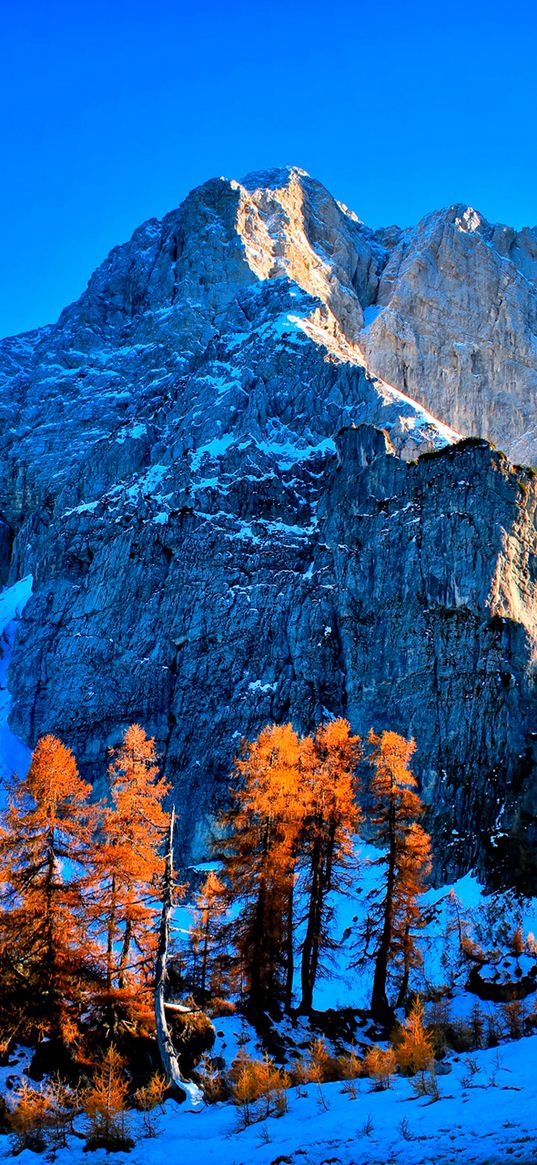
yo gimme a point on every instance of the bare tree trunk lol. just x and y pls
(167, 1051)
(311, 938)
(289, 949)
(380, 1008)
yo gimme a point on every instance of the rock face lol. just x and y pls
(220, 534)
(455, 326)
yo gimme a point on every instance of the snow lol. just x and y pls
(135, 431)
(205, 867)
(287, 452)
(485, 1112)
(14, 755)
(215, 448)
(371, 314)
(148, 483)
(84, 508)
(484, 1106)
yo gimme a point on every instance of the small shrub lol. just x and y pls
(30, 1117)
(148, 1099)
(42, 1118)
(517, 942)
(151, 1095)
(213, 1083)
(414, 1050)
(326, 1064)
(350, 1066)
(472, 1069)
(404, 1129)
(258, 1088)
(350, 1088)
(380, 1064)
(367, 1129)
(104, 1103)
(305, 1072)
(514, 1015)
(320, 1067)
(66, 1104)
(426, 1084)
(218, 1007)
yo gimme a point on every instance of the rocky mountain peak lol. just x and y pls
(275, 178)
(233, 469)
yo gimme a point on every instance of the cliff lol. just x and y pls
(230, 519)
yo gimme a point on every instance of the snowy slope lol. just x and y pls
(485, 1114)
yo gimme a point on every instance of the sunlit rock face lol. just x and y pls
(212, 466)
(455, 326)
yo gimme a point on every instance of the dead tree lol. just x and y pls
(167, 1051)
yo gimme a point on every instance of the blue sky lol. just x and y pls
(110, 112)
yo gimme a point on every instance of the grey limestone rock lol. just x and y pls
(230, 519)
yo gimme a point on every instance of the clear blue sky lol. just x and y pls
(112, 111)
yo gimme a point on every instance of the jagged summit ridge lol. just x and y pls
(272, 179)
(444, 312)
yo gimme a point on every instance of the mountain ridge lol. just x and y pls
(173, 450)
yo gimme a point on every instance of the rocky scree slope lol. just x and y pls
(194, 471)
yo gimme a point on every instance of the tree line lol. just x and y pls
(82, 882)
(288, 844)
(78, 881)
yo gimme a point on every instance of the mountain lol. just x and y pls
(230, 469)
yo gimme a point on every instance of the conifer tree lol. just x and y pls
(129, 865)
(414, 1048)
(205, 933)
(46, 953)
(259, 860)
(105, 1104)
(396, 808)
(414, 869)
(331, 817)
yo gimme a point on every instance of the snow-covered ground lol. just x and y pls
(484, 1110)
(485, 1113)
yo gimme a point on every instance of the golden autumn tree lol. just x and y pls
(414, 868)
(210, 906)
(414, 1045)
(395, 811)
(129, 867)
(47, 958)
(259, 861)
(105, 1104)
(328, 789)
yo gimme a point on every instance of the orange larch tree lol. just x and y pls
(259, 861)
(46, 954)
(210, 905)
(409, 918)
(129, 868)
(396, 809)
(331, 816)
